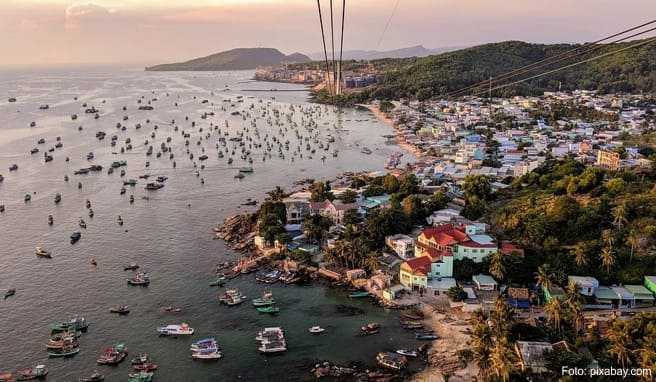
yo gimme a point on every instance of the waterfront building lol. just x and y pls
(402, 245)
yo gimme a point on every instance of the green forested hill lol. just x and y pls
(633, 70)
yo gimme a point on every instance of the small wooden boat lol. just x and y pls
(359, 295)
(131, 267)
(142, 376)
(37, 372)
(391, 360)
(113, 355)
(10, 293)
(42, 253)
(407, 353)
(122, 310)
(95, 377)
(140, 279)
(371, 328)
(171, 309)
(218, 282)
(140, 359)
(146, 366)
(68, 351)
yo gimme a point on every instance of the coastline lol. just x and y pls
(400, 141)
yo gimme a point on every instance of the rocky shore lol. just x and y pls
(238, 232)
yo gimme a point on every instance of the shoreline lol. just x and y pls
(400, 141)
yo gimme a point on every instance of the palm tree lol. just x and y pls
(619, 215)
(607, 258)
(580, 255)
(574, 304)
(620, 339)
(647, 354)
(497, 269)
(607, 237)
(554, 311)
(502, 359)
(277, 194)
(544, 276)
(481, 343)
(633, 240)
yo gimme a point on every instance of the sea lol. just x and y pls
(167, 232)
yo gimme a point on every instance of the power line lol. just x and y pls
(389, 21)
(323, 39)
(645, 42)
(332, 38)
(557, 58)
(341, 45)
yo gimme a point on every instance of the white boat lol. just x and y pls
(42, 252)
(316, 330)
(407, 353)
(175, 330)
(272, 340)
(207, 354)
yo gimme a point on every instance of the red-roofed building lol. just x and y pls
(462, 241)
(508, 248)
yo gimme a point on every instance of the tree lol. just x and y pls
(481, 344)
(619, 215)
(456, 293)
(478, 186)
(351, 217)
(607, 257)
(502, 359)
(580, 255)
(544, 276)
(391, 184)
(413, 208)
(437, 201)
(497, 267)
(348, 196)
(409, 185)
(574, 304)
(554, 311)
(277, 194)
(320, 191)
(619, 338)
(316, 227)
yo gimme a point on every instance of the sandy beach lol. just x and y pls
(399, 138)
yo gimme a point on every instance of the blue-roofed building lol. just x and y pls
(373, 202)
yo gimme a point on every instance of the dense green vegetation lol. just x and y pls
(577, 220)
(632, 70)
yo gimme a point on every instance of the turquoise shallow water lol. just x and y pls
(169, 234)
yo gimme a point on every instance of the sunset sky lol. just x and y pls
(47, 32)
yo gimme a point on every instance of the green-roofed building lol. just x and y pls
(553, 292)
(650, 283)
(642, 296)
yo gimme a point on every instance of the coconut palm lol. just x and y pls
(277, 194)
(619, 215)
(497, 269)
(620, 339)
(634, 239)
(481, 343)
(580, 255)
(554, 310)
(544, 276)
(607, 257)
(502, 359)
(574, 304)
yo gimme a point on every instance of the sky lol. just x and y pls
(48, 32)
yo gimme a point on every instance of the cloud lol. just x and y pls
(82, 14)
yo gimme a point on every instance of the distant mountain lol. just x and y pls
(413, 51)
(235, 59)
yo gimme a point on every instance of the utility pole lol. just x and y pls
(489, 94)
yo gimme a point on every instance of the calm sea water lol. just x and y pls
(169, 234)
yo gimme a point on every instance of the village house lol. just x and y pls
(586, 284)
(402, 245)
(334, 210)
(531, 355)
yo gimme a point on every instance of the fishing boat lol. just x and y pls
(75, 237)
(122, 310)
(220, 281)
(205, 343)
(265, 300)
(42, 253)
(77, 324)
(130, 182)
(66, 351)
(63, 339)
(113, 355)
(232, 297)
(142, 376)
(206, 354)
(154, 186)
(58, 198)
(371, 328)
(146, 366)
(27, 198)
(13, 167)
(365, 150)
(10, 293)
(407, 353)
(82, 224)
(141, 358)
(37, 372)
(175, 330)
(140, 279)
(240, 176)
(426, 336)
(95, 377)
(246, 170)
(272, 340)
(171, 309)
(268, 309)
(391, 360)
(131, 267)
(359, 295)
(316, 330)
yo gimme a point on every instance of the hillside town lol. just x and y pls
(410, 238)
